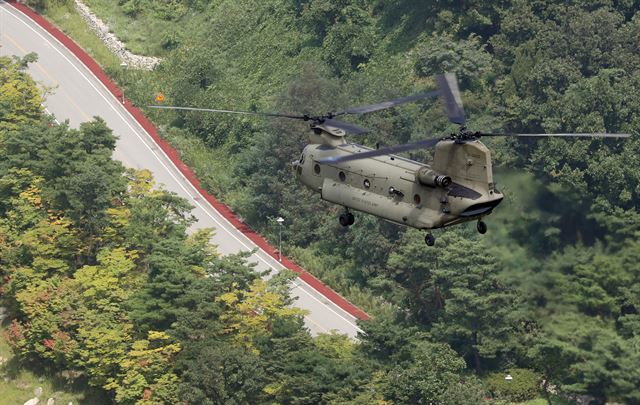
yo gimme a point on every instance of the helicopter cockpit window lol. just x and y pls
(366, 183)
(342, 176)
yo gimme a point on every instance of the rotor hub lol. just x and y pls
(464, 135)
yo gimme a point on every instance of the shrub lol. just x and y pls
(524, 386)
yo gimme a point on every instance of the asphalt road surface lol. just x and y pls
(78, 96)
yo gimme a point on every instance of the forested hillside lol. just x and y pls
(551, 293)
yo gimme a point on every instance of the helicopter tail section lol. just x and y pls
(472, 193)
(467, 163)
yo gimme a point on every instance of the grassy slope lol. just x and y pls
(144, 34)
(141, 35)
(70, 22)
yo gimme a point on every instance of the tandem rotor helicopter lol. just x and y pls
(456, 187)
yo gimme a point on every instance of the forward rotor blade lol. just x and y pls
(566, 135)
(427, 143)
(268, 114)
(388, 104)
(450, 97)
(347, 126)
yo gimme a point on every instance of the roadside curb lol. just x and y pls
(174, 156)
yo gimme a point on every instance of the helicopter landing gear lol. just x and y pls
(429, 239)
(481, 227)
(347, 219)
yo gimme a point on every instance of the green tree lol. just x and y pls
(221, 372)
(426, 377)
(591, 358)
(80, 179)
(250, 314)
(147, 375)
(20, 98)
(104, 331)
(458, 292)
(302, 374)
(438, 54)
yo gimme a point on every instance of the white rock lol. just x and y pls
(37, 392)
(111, 42)
(32, 401)
(51, 401)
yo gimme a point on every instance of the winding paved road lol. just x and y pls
(78, 96)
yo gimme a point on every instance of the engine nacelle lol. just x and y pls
(428, 177)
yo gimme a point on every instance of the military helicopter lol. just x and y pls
(456, 187)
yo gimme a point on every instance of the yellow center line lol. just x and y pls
(44, 71)
(322, 328)
(38, 65)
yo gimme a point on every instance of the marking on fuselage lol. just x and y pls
(365, 202)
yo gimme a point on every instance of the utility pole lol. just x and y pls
(280, 220)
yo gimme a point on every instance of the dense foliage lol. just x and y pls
(554, 288)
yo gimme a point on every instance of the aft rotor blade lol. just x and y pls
(450, 97)
(559, 135)
(388, 104)
(346, 126)
(268, 114)
(427, 143)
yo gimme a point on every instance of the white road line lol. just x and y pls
(109, 102)
(49, 112)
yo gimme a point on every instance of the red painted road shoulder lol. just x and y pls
(225, 211)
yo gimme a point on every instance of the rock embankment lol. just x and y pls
(112, 42)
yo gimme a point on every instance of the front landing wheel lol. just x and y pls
(429, 239)
(481, 227)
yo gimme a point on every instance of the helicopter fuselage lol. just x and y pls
(457, 187)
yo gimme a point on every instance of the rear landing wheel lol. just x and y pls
(347, 219)
(344, 220)
(430, 240)
(482, 227)
(350, 218)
